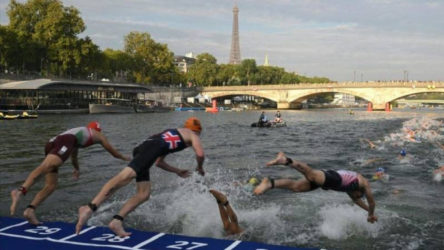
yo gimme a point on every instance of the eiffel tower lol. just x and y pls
(235, 57)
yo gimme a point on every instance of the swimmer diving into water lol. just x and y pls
(57, 151)
(354, 184)
(152, 150)
(229, 218)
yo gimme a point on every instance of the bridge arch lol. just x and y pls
(299, 97)
(413, 92)
(265, 95)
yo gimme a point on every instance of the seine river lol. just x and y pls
(410, 205)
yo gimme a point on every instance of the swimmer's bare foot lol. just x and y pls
(29, 214)
(84, 213)
(15, 196)
(262, 187)
(280, 159)
(221, 198)
(116, 226)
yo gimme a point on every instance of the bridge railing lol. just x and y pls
(410, 84)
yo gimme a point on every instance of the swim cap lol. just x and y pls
(380, 170)
(403, 153)
(95, 126)
(253, 181)
(194, 124)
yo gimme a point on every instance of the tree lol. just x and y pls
(52, 29)
(228, 74)
(204, 71)
(116, 65)
(10, 55)
(153, 61)
(248, 70)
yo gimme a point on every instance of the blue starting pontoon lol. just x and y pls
(17, 234)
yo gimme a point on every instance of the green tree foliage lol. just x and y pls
(248, 70)
(228, 74)
(204, 71)
(153, 62)
(42, 36)
(52, 30)
(9, 49)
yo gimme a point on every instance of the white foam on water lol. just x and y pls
(437, 177)
(340, 222)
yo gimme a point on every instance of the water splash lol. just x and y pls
(340, 222)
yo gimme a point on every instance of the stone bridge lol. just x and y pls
(378, 94)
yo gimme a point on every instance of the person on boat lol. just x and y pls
(57, 151)
(227, 214)
(153, 150)
(263, 119)
(277, 117)
(352, 183)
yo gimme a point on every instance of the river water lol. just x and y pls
(410, 205)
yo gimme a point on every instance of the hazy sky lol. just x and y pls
(339, 39)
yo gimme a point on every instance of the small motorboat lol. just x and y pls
(26, 115)
(269, 124)
(261, 124)
(8, 117)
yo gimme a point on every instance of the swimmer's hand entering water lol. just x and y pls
(200, 171)
(372, 218)
(76, 174)
(183, 173)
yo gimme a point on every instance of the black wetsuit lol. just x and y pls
(145, 154)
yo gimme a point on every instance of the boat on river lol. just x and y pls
(112, 105)
(269, 124)
(8, 116)
(26, 115)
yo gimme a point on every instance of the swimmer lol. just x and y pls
(250, 184)
(370, 143)
(402, 154)
(438, 173)
(57, 151)
(229, 218)
(381, 175)
(440, 145)
(439, 170)
(152, 150)
(352, 183)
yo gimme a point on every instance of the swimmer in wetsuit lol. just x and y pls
(352, 183)
(152, 150)
(58, 150)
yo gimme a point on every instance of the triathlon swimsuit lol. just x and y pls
(63, 144)
(340, 180)
(145, 154)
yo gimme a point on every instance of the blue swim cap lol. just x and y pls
(403, 153)
(380, 170)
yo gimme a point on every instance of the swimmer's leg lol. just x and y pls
(48, 189)
(142, 195)
(51, 161)
(234, 227)
(118, 181)
(301, 185)
(221, 200)
(280, 159)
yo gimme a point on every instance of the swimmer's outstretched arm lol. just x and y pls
(167, 167)
(370, 208)
(108, 147)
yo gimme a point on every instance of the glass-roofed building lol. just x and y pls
(46, 94)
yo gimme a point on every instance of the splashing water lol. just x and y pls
(343, 221)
